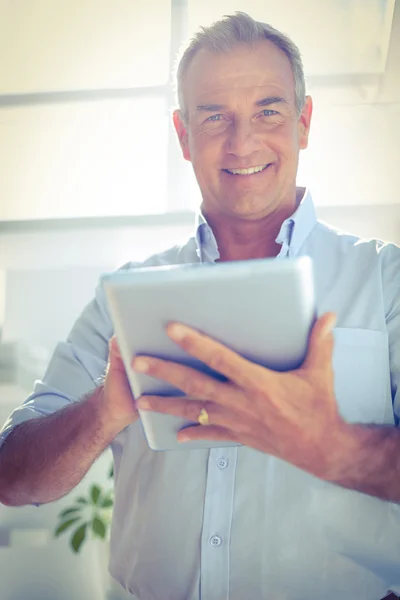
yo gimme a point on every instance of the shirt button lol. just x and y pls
(215, 541)
(222, 463)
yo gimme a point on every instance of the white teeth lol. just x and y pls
(247, 171)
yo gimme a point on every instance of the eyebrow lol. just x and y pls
(271, 100)
(263, 102)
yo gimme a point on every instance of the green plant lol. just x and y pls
(88, 517)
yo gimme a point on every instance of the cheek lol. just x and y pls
(284, 142)
(205, 151)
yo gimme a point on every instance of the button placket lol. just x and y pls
(217, 522)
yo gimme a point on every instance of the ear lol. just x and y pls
(304, 123)
(181, 131)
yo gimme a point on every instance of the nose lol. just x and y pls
(242, 140)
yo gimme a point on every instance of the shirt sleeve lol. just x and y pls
(75, 366)
(391, 289)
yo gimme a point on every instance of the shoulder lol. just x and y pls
(389, 260)
(345, 243)
(95, 320)
(375, 260)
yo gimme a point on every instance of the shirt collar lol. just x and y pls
(207, 247)
(296, 229)
(292, 234)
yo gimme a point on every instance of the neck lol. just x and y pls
(242, 239)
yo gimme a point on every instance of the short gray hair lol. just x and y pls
(231, 30)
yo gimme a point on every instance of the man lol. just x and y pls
(308, 507)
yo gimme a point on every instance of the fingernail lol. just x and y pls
(141, 365)
(178, 331)
(329, 326)
(143, 404)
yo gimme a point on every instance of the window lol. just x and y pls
(85, 108)
(86, 96)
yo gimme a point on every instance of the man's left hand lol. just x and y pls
(292, 415)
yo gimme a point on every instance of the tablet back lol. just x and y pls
(262, 309)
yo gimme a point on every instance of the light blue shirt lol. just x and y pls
(233, 522)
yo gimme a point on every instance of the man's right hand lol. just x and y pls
(117, 401)
(67, 441)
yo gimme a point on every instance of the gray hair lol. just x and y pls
(223, 35)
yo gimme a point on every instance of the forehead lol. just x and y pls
(245, 70)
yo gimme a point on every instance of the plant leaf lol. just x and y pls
(107, 502)
(111, 471)
(65, 526)
(78, 538)
(95, 493)
(99, 527)
(69, 511)
(82, 500)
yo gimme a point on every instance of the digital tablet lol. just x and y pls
(262, 309)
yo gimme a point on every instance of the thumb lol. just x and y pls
(320, 346)
(114, 357)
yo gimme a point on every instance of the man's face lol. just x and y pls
(241, 114)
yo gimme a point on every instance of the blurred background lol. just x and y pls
(91, 177)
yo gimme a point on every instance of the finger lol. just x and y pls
(222, 434)
(321, 343)
(208, 432)
(214, 354)
(189, 409)
(179, 406)
(185, 378)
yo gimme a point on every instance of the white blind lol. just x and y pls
(102, 158)
(77, 136)
(48, 45)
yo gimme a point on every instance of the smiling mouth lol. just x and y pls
(249, 171)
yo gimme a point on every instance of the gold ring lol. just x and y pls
(203, 418)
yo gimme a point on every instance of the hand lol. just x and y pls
(293, 415)
(117, 399)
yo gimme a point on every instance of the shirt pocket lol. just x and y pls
(362, 375)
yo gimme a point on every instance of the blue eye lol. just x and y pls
(214, 118)
(267, 112)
